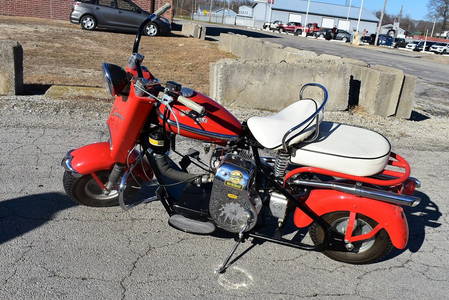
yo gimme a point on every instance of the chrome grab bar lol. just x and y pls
(309, 119)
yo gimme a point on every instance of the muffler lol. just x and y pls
(366, 192)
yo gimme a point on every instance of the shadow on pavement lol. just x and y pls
(426, 214)
(24, 214)
(216, 31)
(34, 89)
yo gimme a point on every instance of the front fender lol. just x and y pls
(390, 217)
(89, 159)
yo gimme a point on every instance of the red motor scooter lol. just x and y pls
(342, 181)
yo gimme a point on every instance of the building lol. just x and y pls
(60, 9)
(245, 11)
(393, 30)
(324, 14)
(224, 11)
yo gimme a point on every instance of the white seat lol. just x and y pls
(270, 130)
(345, 149)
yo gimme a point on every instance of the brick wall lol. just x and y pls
(59, 9)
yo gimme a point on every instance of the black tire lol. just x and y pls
(281, 29)
(321, 36)
(85, 191)
(88, 22)
(345, 39)
(151, 29)
(364, 252)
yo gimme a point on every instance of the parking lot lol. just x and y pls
(53, 248)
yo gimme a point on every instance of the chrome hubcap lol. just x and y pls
(88, 23)
(360, 227)
(151, 30)
(95, 192)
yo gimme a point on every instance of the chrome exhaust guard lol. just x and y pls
(385, 196)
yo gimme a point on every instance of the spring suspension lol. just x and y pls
(281, 163)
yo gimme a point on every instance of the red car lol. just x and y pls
(294, 27)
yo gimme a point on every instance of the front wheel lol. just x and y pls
(363, 252)
(86, 191)
(151, 29)
(88, 22)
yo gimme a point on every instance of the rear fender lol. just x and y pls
(390, 217)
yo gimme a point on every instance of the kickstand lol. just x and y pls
(240, 239)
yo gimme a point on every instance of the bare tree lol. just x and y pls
(439, 9)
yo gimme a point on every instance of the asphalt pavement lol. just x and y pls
(51, 248)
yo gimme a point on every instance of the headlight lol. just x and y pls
(116, 79)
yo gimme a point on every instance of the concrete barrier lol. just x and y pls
(77, 92)
(194, 30)
(380, 90)
(407, 98)
(273, 86)
(11, 67)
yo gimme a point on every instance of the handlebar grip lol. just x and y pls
(162, 9)
(192, 105)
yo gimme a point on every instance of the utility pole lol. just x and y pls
(433, 28)
(360, 16)
(210, 11)
(349, 9)
(304, 33)
(380, 23)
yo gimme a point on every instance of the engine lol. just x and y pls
(234, 203)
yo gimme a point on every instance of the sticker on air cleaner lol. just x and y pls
(235, 180)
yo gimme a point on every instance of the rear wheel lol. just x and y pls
(363, 252)
(88, 22)
(298, 32)
(86, 191)
(345, 39)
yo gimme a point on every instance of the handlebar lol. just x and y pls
(192, 105)
(151, 18)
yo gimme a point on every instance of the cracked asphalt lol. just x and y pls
(52, 248)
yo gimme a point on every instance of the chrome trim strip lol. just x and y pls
(66, 163)
(202, 132)
(375, 194)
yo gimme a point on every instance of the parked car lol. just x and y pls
(440, 48)
(115, 14)
(333, 34)
(420, 46)
(411, 45)
(385, 40)
(312, 29)
(294, 27)
(399, 43)
(272, 25)
(343, 35)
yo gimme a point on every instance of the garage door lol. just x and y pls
(327, 23)
(294, 18)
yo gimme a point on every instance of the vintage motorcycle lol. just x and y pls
(342, 182)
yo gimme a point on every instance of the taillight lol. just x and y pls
(410, 186)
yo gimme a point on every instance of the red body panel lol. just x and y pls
(390, 217)
(125, 122)
(395, 178)
(92, 158)
(217, 126)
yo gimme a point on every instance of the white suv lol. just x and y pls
(440, 48)
(411, 45)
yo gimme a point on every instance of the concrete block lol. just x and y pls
(271, 86)
(389, 90)
(353, 61)
(380, 89)
(407, 98)
(191, 30)
(11, 67)
(224, 43)
(328, 58)
(77, 92)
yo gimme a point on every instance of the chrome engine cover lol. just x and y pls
(233, 202)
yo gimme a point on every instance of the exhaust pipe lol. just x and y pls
(366, 192)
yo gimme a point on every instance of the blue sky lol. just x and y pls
(415, 8)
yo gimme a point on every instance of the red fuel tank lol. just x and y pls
(217, 125)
